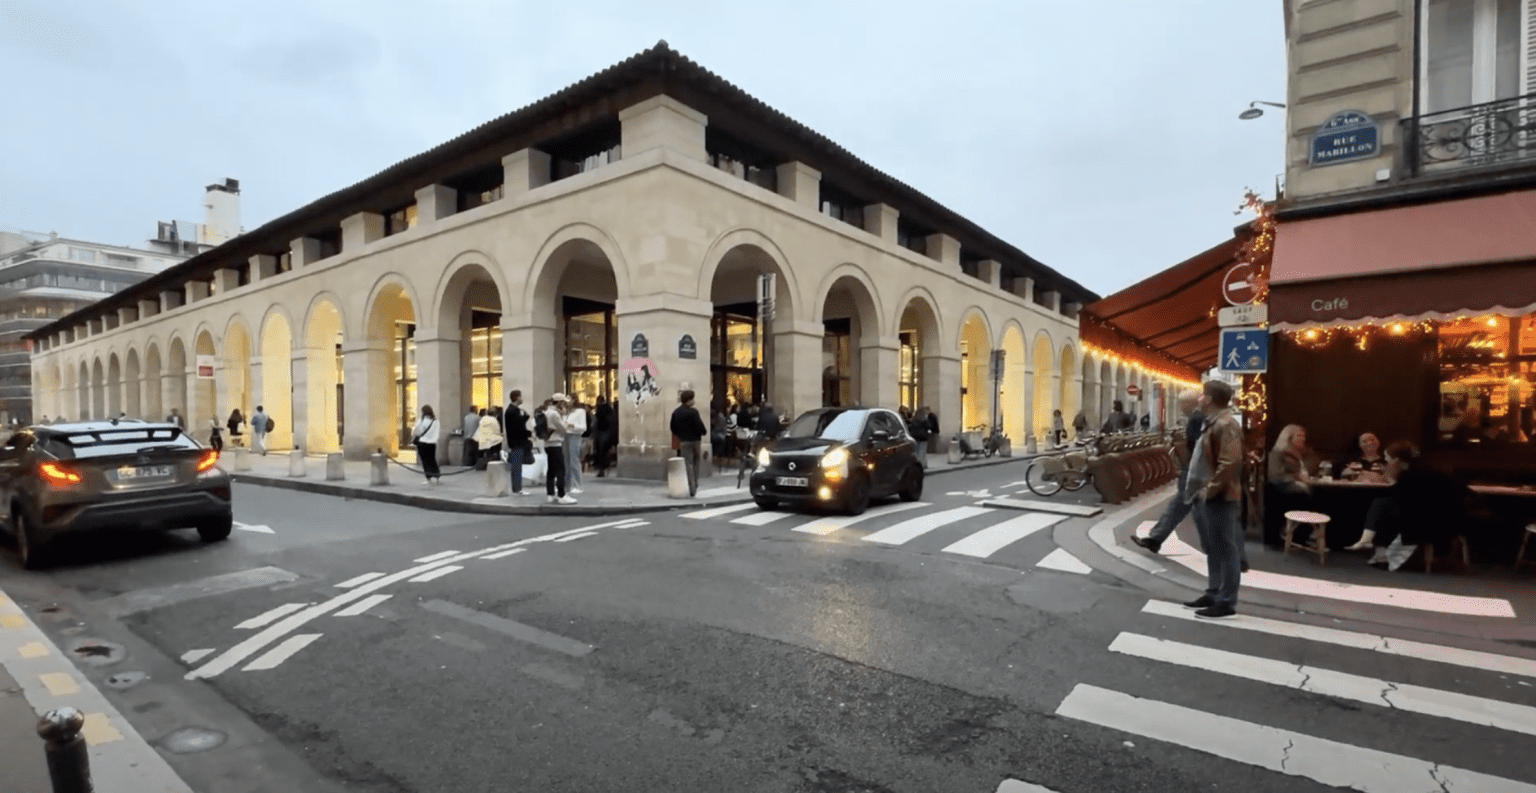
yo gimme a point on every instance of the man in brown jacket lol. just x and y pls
(1215, 481)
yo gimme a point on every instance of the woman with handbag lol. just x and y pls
(424, 435)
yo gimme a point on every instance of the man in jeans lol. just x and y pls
(688, 426)
(1180, 507)
(1215, 486)
(515, 430)
(554, 449)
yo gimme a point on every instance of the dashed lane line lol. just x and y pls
(506, 627)
(434, 557)
(270, 617)
(504, 554)
(436, 574)
(272, 658)
(359, 581)
(578, 536)
(363, 605)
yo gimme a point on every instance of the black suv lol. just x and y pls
(841, 457)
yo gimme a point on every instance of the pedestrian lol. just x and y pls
(554, 450)
(604, 433)
(471, 426)
(1080, 424)
(235, 420)
(175, 418)
(921, 432)
(575, 427)
(1119, 420)
(689, 430)
(518, 437)
(424, 435)
(1058, 429)
(259, 430)
(1215, 487)
(1190, 404)
(488, 438)
(215, 436)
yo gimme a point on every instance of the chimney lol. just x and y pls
(221, 217)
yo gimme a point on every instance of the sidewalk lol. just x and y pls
(35, 677)
(465, 490)
(1494, 604)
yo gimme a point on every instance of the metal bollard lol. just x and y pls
(378, 475)
(335, 467)
(69, 763)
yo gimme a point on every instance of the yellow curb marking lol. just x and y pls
(99, 730)
(59, 683)
(12, 621)
(33, 650)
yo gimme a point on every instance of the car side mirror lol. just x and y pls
(881, 436)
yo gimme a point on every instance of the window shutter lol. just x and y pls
(1528, 53)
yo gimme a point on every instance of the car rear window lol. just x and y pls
(107, 443)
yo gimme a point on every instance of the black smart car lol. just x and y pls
(839, 457)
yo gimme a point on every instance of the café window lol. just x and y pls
(911, 390)
(1487, 368)
(485, 358)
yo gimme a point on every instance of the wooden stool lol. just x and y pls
(1529, 530)
(1297, 518)
(1459, 551)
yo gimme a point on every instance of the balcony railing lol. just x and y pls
(1472, 137)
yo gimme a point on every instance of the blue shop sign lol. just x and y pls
(1350, 135)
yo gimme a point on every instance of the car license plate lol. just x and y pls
(792, 481)
(129, 473)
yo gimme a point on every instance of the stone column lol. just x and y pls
(370, 421)
(941, 390)
(1031, 431)
(531, 362)
(439, 383)
(880, 371)
(303, 410)
(645, 435)
(797, 355)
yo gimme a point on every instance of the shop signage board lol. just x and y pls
(686, 348)
(1244, 350)
(1345, 136)
(1250, 314)
(205, 365)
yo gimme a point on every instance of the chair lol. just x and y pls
(1520, 556)
(1318, 521)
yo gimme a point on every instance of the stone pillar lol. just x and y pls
(645, 436)
(298, 368)
(371, 423)
(522, 171)
(196, 290)
(360, 229)
(438, 383)
(991, 272)
(263, 267)
(880, 220)
(226, 279)
(879, 371)
(304, 251)
(941, 390)
(797, 356)
(943, 249)
(530, 362)
(319, 396)
(435, 202)
(801, 184)
(253, 386)
(1030, 432)
(662, 122)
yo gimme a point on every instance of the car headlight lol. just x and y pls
(834, 458)
(764, 457)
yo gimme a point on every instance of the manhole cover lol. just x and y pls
(124, 680)
(189, 740)
(96, 652)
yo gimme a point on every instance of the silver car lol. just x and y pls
(109, 475)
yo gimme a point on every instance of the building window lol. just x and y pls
(284, 262)
(841, 205)
(910, 374)
(405, 376)
(740, 159)
(912, 237)
(400, 220)
(1472, 52)
(82, 254)
(586, 150)
(1487, 366)
(485, 358)
(330, 242)
(735, 355)
(591, 351)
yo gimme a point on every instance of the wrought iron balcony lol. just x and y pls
(1493, 133)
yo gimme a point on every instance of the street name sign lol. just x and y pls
(1248, 314)
(1244, 350)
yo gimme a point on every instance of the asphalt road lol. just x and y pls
(343, 645)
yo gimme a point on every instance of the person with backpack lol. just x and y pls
(554, 449)
(260, 426)
(518, 438)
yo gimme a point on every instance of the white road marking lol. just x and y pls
(1059, 559)
(230, 658)
(579, 536)
(761, 518)
(637, 524)
(1329, 683)
(433, 575)
(908, 530)
(706, 514)
(362, 579)
(434, 557)
(1472, 659)
(1044, 506)
(1178, 551)
(1015, 786)
(259, 528)
(282, 652)
(504, 554)
(363, 605)
(193, 656)
(269, 617)
(1328, 762)
(992, 539)
(825, 526)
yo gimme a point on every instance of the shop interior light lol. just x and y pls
(1398, 329)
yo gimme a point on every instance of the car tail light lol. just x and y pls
(57, 475)
(208, 460)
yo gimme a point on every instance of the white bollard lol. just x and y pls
(378, 471)
(296, 462)
(677, 478)
(1005, 448)
(954, 452)
(242, 459)
(497, 480)
(335, 467)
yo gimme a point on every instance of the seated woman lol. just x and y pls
(1288, 475)
(1369, 464)
(1422, 506)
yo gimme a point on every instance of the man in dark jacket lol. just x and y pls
(689, 430)
(604, 434)
(1190, 404)
(514, 427)
(1119, 420)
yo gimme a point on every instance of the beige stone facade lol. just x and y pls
(425, 288)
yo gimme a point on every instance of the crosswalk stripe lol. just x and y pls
(1472, 659)
(1328, 762)
(908, 530)
(825, 526)
(761, 518)
(992, 539)
(706, 514)
(1330, 683)
(1061, 559)
(362, 605)
(1015, 786)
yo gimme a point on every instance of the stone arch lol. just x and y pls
(731, 247)
(324, 400)
(276, 354)
(738, 348)
(176, 390)
(133, 385)
(919, 332)
(203, 410)
(237, 371)
(1070, 390)
(154, 382)
(853, 351)
(573, 289)
(1013, 391)
(559, 251)
(389, 332)
(974, 343)
(1044, 359)
(114, 385)
(470, 300)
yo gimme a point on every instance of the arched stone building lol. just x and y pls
(626, 217)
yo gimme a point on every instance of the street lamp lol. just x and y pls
(1254, 112)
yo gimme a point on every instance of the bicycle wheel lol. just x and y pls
(1035, 479)
(1074, 480)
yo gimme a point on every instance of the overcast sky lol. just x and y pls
(1100, 138)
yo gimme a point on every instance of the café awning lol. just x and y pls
(1442, 293)
(1167, 319)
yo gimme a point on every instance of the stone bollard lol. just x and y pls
(335, 467)
(1031, 446)
(954, 452)
(69, 763)
(1005, 448)
(378, 470)
(242, 459)
(677, 478)
(455, 450)
(497, 480)
(296, 462)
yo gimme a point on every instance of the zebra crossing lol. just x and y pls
(1203, 665)
(971, 531)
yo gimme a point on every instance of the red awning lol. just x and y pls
(1172, 314)
(1441, 293)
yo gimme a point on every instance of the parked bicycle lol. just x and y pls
(974, 442)
(1049, 474)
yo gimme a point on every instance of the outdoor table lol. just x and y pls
(1347, 502)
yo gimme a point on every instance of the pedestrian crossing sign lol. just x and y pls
(1244, 350)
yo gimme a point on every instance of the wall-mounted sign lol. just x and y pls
(1244, 350)
(1238, 286)
(205, 366)
(686, 349)
(1251, 314)
(639, 347)
(1346, 136)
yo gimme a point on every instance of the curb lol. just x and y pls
(49, 680)
(435, 504)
